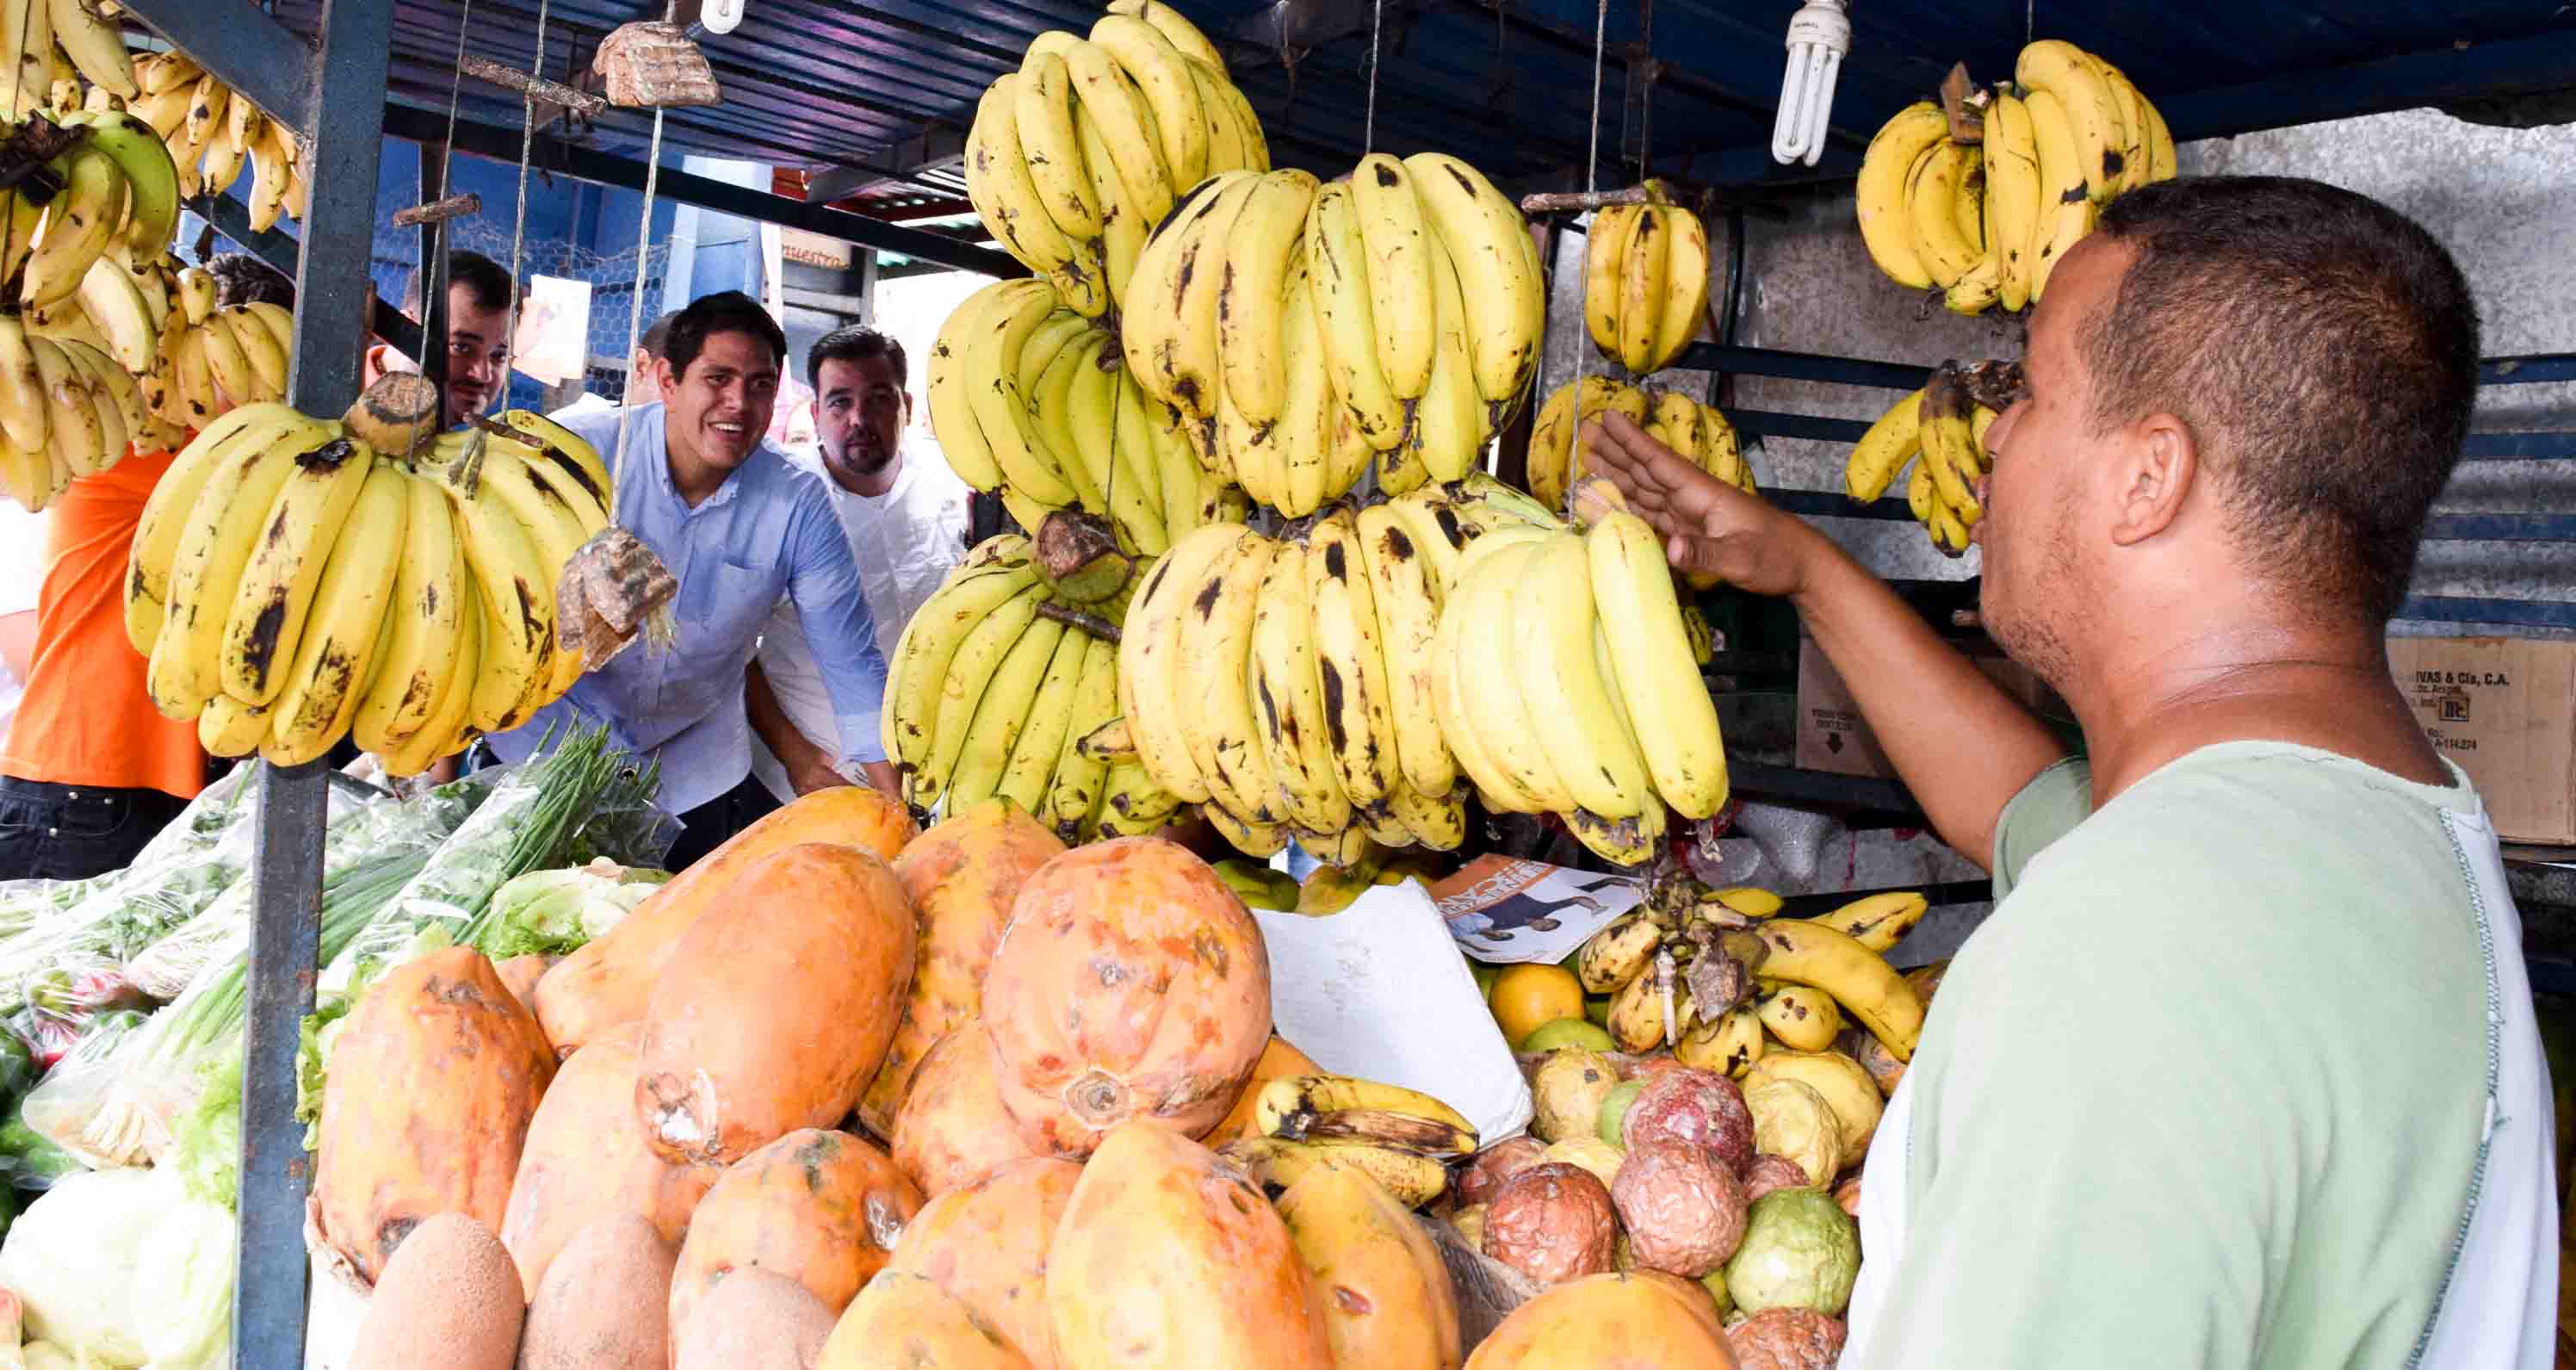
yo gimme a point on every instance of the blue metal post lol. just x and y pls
(345, 81)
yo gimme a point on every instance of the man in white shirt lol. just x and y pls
(904, 513)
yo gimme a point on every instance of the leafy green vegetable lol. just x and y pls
(206, 1141)
(554, 913)
(38, 1162)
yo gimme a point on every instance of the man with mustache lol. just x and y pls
(904, 513)
(740, 529)
(478, 335)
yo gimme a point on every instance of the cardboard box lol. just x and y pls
(1832, 736)
(2504, 710)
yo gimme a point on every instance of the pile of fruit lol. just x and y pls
(1645, 280)
(296, 580)
(1982, 199)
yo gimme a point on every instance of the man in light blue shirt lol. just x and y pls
(740, 528)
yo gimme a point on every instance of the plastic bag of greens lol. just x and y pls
(360, 832)
(61, 1106)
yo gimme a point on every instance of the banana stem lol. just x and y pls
(1070, 617)
(439, 211)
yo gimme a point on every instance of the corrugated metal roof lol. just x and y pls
(1504, 83)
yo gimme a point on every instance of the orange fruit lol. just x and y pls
(1526, 997)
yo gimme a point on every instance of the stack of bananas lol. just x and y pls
(295, 580)
(1302, 329)
(1985, 222)
(1724, 982)
(46, 45)
(1034, 403)
(1284, 685)
(213, 131)
(1401, 1138)
(1645, 280)
(1076, 156)
(1947, 429)
(209, 361)
(1567, 683)
(985, 696)
(66, 410)
(1693, 429)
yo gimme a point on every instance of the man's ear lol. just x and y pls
(907, 409)
(665, 379)
(2158, 463)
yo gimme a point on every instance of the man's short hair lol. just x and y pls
(241, 278)
(483, 277)
(727, 311)
(657, 335)
(2324, 350)
(854, 344)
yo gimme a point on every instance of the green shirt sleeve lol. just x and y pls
(2047, 809)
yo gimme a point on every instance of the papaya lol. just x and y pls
(520, 974)
(1621, 1320)
(607, 981)
(433, 1082)
(1132, 984)
(776, 1006)
(821, 1208)
(1168, 1255)
(1385, 1295)
(1278, 1061)
(586, 1159)
(986, 1244)
(904, 1322)
(953, 1128)
(962, 877)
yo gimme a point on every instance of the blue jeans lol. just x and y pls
(72, 832)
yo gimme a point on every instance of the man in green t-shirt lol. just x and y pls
(2242, 1069)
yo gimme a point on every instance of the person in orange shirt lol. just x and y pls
(91, 770)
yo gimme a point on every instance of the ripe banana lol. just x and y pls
(1877, 996)
(274, 598)
(336, 652)
(1658, 684)
(1553, 464)
(1215, 703)
(1879, 921)
(1488, 242)
(1411, 1179)
(1403, 591)
(1803, 1017)
(2013, 196)
(216, 542)
(427, 614)
(1008, 701)
(1288, 697)
(1297, 1106)
(1345, 307)
(1619, 953)
(2092, 109)
(1149, 678)
(1884, 450)
(1886, 176)
(1732, 1043)
(1570, 707)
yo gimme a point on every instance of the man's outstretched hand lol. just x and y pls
(1707, 525)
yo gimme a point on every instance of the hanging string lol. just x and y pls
(635, 315)
(519, 220)
(1591, 182)
(2029, 11)
(456, 79)
(1368, 134)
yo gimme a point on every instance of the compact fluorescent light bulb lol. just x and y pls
(1819, 35)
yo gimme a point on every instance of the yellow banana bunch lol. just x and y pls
(1946, 429)
(1285, 685)
(206, 360)
(1076, 156)
(213, 133)
(1645, 281)
(986, 697)
(1601, 716)
(1302, 1108)
(1985, 222)
(291, 584)
(1037, 404)
(67, 410)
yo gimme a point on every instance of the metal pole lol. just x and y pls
(345, 120)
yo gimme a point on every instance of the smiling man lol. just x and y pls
(2242, 1069)
(740, 529)
(904, 514)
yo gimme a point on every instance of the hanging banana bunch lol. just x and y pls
(1944, 426)
(1697, 431)
(1075, 157)
(297, 580)
(1645, 280)
(214, 133)
(1986, 220)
